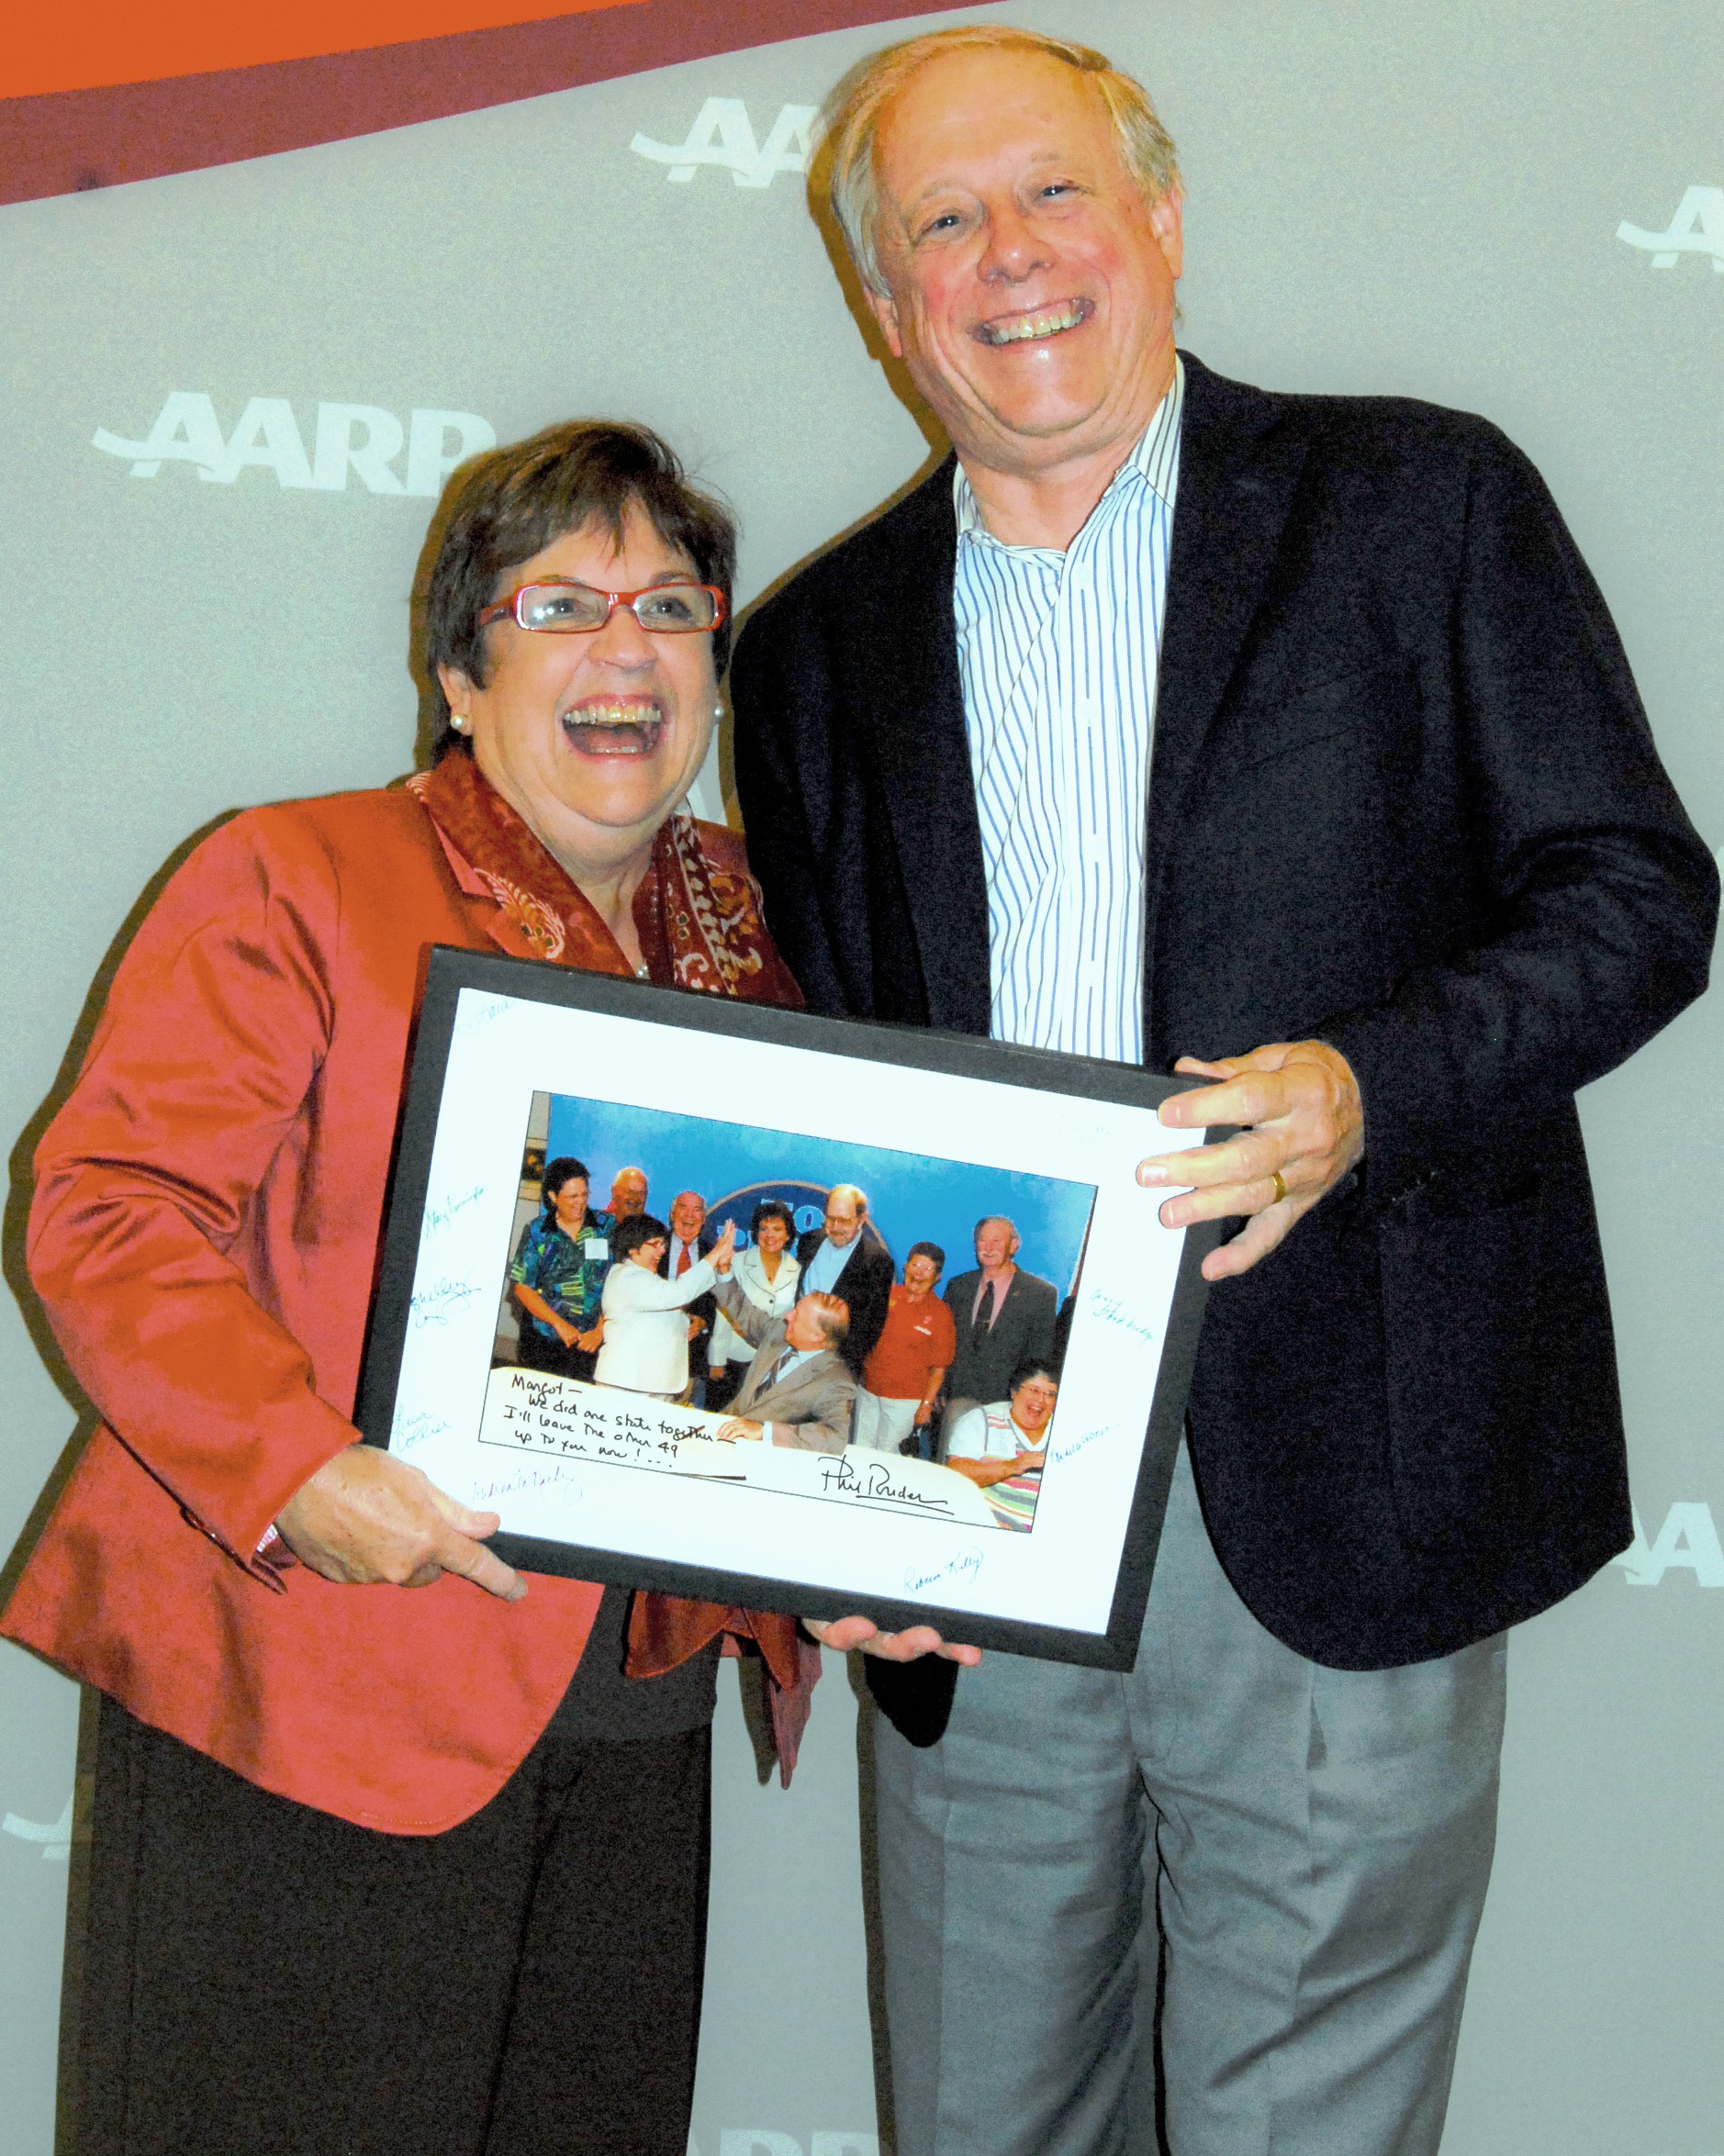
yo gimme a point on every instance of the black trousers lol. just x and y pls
(261, 1976)
(537, 1353)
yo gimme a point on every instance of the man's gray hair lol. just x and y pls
(850, 122)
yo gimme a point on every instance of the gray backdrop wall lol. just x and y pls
(1507, 206)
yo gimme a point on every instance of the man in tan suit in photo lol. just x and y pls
(797, 1393)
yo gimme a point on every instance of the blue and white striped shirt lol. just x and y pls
(1058, 657)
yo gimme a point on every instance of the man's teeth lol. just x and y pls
(1048, 323)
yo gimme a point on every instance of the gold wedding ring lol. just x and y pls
(1281, 1187)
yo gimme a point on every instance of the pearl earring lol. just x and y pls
(458, 720)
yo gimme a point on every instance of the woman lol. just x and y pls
(558, 1275)
(902, 1376)
(382, 1870)
(1003, 1448)
(767, 1274)
(645, 1319)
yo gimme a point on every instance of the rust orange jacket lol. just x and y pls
(206, 1227)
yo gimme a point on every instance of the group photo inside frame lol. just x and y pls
(604, 1464)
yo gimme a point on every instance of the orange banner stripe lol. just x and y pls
(102, 42)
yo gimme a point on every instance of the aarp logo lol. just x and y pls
(1687, 1542)
(1697, 227)
(361, 440)
(723, 136)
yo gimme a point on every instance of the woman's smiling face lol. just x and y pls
(594, 737)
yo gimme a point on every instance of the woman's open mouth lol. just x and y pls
(622, 726)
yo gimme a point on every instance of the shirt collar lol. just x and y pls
(1154, 460)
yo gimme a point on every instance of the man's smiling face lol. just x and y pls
(1031, 284)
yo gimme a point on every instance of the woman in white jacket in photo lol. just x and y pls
(768, 1273)
(645, 1347)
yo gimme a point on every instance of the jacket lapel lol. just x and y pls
(924, 753)
(1240, 465)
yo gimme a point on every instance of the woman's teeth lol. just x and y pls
(614, 730)
(1048, 322)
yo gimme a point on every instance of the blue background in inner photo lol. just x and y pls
(912, 1199)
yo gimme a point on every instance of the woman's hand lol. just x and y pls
(367, 1518)
(591, 1343)
(723, 1250)
(909, 1646)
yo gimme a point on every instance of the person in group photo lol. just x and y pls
(999, 1312)
(768, 1273)
(628, 1193)
(390, 1853)
(1282, 742)
(798, 1390)
(557, 1277)
(840, 1257)
(648, 1325)
(1002, 1448)
(690, 1241)
(902, 1376)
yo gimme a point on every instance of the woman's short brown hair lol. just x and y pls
(510, 504)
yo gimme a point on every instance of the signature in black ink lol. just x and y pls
(838, 1478)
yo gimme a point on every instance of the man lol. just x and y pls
(689, 1243)
(628, 1194)
(1177, 720)
(797, 1391)
(841, 1251)
(1001, 1315)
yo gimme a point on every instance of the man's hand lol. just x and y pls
(1307, 1128)
(733, 1428)
(366, 1517)
(591, 1343)
(845, 1633)
(723, 1250)
(565, 1331)
(696, 1327)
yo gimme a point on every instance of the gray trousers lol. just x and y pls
(1284, 1864)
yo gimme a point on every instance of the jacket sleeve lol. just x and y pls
(210, 1040)
(1599, 900)
(749, 1320)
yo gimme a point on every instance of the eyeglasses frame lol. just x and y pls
(510, 607)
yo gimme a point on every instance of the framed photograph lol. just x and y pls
(1031, 1528)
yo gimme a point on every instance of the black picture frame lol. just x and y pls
(451, 974)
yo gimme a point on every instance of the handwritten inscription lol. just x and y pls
(440, 1216)
(441, 1300)
(414, 1429)
(966, 1564)
(872, 1483)
(1112, 1312)
(481, 1010)
(551, 1475)
(548, 1415)
(1068, 1448)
